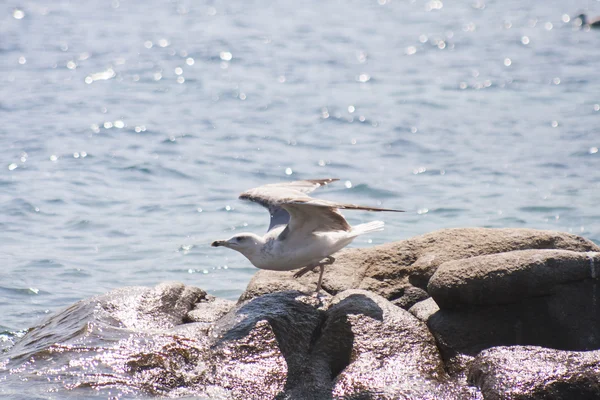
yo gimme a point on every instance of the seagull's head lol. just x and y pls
(245, 243)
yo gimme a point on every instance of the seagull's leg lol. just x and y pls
(322, 266)
(305, 270)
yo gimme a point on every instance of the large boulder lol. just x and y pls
(400, 271)
(510, 277)
(519, 373)
(531, 297)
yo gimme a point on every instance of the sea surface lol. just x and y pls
(128, 128)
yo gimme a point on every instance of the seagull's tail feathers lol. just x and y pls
(369, 227)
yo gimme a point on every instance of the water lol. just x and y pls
(128, 128)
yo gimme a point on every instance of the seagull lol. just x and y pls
(304, 232)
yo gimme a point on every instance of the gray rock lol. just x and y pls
(400, 271)
(131, 308)
(534, 297)
(536, 373)
(209, 310)
(510, 277)
(424, 309)
(391, 355)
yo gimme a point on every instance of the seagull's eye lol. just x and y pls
(239, 239)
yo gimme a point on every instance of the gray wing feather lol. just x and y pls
(290, 200)
(272, 196)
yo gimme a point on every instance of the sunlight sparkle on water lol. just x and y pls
(18, 14)
(100, 76)
(225, 56)
(12, 166)
(593, 150)
(288, 171)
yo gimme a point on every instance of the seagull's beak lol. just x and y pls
(218, 243)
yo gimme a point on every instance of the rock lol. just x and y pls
(424, 309)
(209, 310)
(532, 297)
(510, 277)
(390, 354)
(132, 308)
(400, 271)
(536, 373)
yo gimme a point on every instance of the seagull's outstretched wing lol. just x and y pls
(272, 196)
(289, 203)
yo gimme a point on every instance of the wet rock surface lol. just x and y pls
(536, 373)
(509, 314)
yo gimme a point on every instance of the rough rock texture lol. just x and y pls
(407, 366)
(543, 297)
(400, 271)
(536, 373)
(506, 278)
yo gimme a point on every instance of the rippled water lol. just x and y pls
(128, 129)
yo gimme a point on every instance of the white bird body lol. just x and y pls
(303, 230)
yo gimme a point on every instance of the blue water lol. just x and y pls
(128, 128)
